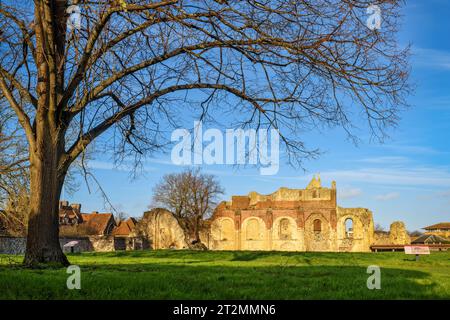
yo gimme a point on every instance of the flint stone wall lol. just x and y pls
(17, 245)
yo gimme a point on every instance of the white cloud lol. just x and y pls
(399, 176)
(102, 165)
(406, 176)
(387, 196)
(346, 193)
(384, 160)
(431, 58)
(444, 194)
(161, 161)
(412, 149)
(105, 165)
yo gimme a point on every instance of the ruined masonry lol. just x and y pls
(295, 220)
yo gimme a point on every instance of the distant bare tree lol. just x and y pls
(191, 196)
(415, 233)
(132, 67)
(379, 227)
(15, 177)
(14, 182)
(120, 216)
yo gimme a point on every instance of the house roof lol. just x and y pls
(92, 224)
(98, 221)
(68, 211)
(125, 227)
(430, 238)
(442, 225)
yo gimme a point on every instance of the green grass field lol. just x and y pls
(165, 274)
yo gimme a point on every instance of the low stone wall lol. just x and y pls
(381, 238)
(12, 245)
(17, 245)
(397, 235)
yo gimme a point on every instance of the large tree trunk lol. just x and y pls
(47, 173)
(45, 188)
(197, 229)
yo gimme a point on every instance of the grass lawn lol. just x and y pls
(167, 274)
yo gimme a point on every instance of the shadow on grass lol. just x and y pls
(166, 281)
(222, 255)
(257, 255)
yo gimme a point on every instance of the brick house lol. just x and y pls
(440, 229)
(72, 222)
(96, 231)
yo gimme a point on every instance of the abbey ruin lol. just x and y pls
(286, 220)
(292, 220)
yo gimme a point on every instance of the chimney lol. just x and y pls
(63, 203)
(76, 206)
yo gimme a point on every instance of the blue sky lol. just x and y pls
(406, 178)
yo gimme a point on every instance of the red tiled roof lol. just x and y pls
(98, 221)
(125, 227)
(442, 225)
(69, 212)
(92, 224)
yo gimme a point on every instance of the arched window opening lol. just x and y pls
(317, 225)
(253, 230)
(349, 228)
(284, 232)
(227, 230)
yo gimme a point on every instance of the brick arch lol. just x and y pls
(291, 240)
(357, 226)
(315, 240)
(224, 234)
(254, 234)
(277, 225)
(320, 215)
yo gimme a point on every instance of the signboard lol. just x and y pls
(70, 244)
(417, 250)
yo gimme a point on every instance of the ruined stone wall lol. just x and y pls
(286, 220)
(302, 229)
(355, 230)
(381, 238)
(398, 234)
(162, 230)
(297, 220)
(286, 235)
(320, 233)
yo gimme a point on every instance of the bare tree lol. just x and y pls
(191, 196)
(379, 227)
(415, 233)
(14, 182)
(134, 66)
(120, 216)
